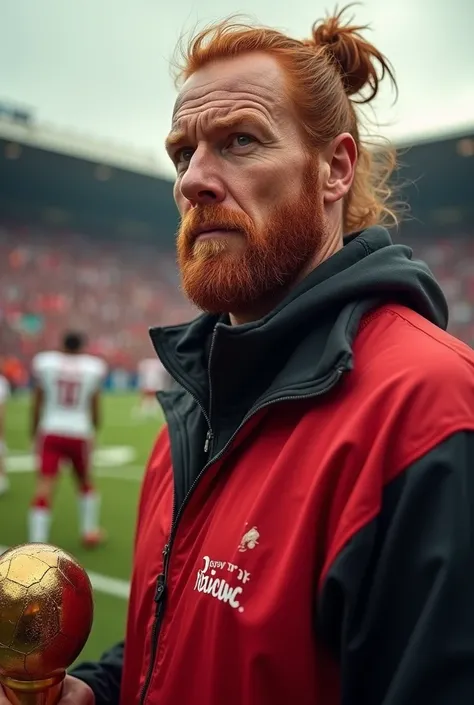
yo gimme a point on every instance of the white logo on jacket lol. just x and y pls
(217, 578)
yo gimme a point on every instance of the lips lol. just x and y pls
(202, 232)
(212, 228)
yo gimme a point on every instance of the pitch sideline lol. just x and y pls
(110, 462)
(130, 473)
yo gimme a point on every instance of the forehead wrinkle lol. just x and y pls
(272, 107)
(229, 85)
(199, 94)
(219, 118)
(213, 121)
(217, 97)
(224, 107)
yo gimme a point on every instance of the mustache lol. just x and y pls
(205, 218)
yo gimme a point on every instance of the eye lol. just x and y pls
(242, 140)
(184, 155)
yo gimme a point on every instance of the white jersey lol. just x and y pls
(4, 394)
(4, 389)
(152, 376)
(68, 383)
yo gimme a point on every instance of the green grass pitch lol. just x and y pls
(123, 446)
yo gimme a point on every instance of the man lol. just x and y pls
(305, 530)
(4, 394)
(65, 417)
(152, 377)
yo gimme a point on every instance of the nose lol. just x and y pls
(201, 183)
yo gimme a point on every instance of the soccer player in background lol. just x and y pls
(4, 394)
(152, 378)
(65, 418)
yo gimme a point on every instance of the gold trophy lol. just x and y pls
(46, 611)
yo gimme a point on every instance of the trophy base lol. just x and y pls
(43, 692)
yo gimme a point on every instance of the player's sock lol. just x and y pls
(89, 511)
(39, 521)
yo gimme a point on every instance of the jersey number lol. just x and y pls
(68, 392)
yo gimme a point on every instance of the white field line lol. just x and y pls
(103, 583)
(19, 425)
(132, 473)
(111, 462)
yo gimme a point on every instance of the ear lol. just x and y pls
(339, 163)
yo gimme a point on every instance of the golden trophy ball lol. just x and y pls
(46, 611)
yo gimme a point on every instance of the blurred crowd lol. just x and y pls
(53, 281)
(451, 259)
(113, 291)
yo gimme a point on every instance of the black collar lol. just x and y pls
(306, 338)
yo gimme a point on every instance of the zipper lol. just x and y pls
(160, 589)
(162, 578)
(209, 434)
(207, 444)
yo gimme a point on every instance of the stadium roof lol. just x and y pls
(93, 186)
(437, 178)
(23, 129)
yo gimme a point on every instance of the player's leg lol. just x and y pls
(39, 519)
(137, 409)
(89, 498)
(151, 405)
(4, 482)
(143, 402)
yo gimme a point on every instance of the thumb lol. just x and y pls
(3, 697)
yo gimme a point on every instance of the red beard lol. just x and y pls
(220, 278)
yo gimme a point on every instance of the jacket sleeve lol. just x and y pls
(103, 676)
(397, 604)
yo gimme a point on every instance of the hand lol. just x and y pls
(75, 692)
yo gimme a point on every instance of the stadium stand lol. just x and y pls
(51, 281)
(452, 261)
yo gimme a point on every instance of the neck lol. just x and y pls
(260, 309)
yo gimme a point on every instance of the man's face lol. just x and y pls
(247, 191)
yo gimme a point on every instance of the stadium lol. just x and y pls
(87, 241)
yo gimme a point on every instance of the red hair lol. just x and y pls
(323, 74)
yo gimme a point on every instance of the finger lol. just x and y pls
(75, 692)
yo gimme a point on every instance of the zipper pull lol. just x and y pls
(208, 441)
(165, 551)
(160, 588)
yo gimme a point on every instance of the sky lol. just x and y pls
(102, 67)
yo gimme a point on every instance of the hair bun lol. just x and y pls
(359, 62)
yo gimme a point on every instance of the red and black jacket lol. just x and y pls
(306, 525)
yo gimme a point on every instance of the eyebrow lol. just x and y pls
(177, 136)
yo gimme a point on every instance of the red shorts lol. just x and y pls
(149, 393)
(53, 450)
